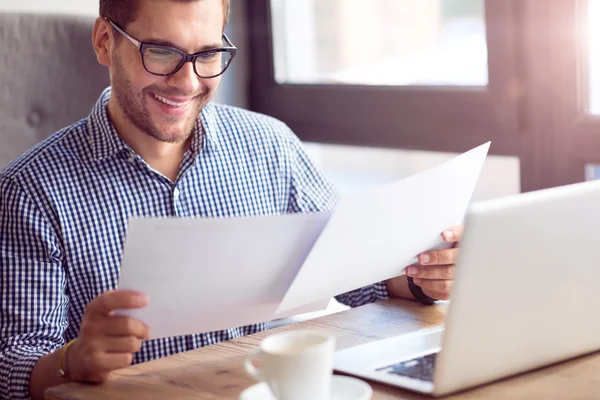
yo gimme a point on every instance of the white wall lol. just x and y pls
(354, 169)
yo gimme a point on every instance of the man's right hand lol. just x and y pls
(106, 341)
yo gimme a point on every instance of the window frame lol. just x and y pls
(568, 137)
(338, 113)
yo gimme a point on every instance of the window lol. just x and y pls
(437, 75)
(380, 42)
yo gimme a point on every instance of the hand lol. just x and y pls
(106, 341)
(435, 271)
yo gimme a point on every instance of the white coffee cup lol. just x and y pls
(296, 365)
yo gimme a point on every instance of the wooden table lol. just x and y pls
(216, 372)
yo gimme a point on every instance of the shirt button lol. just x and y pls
(176, 193)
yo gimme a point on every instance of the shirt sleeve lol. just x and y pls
(312, 192)
(33, 301)
(365, 295)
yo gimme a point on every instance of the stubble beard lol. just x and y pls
(134, 107)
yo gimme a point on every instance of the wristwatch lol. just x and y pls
(418, 292)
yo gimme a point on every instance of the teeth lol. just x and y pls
(169, 102)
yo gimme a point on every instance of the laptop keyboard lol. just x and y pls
(418, 368)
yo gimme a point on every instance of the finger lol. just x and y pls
(437, 285)
(439, 257)
(453, 234)
(125, 326)
(123, 344)
(443, 272)
(101, 362)
(113, 300)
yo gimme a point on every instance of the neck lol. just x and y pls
(162, 156)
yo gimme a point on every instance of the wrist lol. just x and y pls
(398, 288)
(418, 293)
(74, 369)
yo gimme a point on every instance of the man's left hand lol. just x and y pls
(435, 271)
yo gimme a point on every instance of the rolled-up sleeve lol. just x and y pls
(33, 301)
(364, 295)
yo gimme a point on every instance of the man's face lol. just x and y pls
(190, 26)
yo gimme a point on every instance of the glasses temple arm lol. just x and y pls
(128, 36)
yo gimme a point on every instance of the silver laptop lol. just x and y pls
(527, 293)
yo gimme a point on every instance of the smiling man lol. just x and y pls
(153, 145)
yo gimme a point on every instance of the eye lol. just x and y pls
(159, 53)
(209, 57)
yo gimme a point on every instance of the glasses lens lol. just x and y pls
(212, 63)
(159, 60)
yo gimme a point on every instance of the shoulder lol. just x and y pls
(234, 123)
(229, 115)
(53, 152)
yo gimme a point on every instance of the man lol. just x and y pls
(152, 146)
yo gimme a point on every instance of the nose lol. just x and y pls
(186, 79)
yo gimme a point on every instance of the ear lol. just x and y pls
(102, 40)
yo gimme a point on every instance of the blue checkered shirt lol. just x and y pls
(64, 206)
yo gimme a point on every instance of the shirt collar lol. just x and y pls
(104, 139)
(106, 142)
(206, 127)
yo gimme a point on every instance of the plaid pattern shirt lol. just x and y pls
(64, 207)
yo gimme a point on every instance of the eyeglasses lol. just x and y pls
(163, 60)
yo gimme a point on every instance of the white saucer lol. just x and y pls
(342, 388)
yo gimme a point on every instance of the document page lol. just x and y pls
(374, 236)
(208, 274)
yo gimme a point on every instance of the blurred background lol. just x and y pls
(382, 89)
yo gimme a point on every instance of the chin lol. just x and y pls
(169, 134)
(174, 138)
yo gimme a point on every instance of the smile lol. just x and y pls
(169, 102)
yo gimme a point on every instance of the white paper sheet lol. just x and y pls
(203, 275)
(373, 237)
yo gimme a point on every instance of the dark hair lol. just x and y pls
(122, 12)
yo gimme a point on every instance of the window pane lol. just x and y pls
(380, 42)
(594, 55)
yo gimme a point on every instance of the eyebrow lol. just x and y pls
(163, 42)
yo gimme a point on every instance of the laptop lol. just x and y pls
(525, 295)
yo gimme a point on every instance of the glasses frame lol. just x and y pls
(142, 46)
